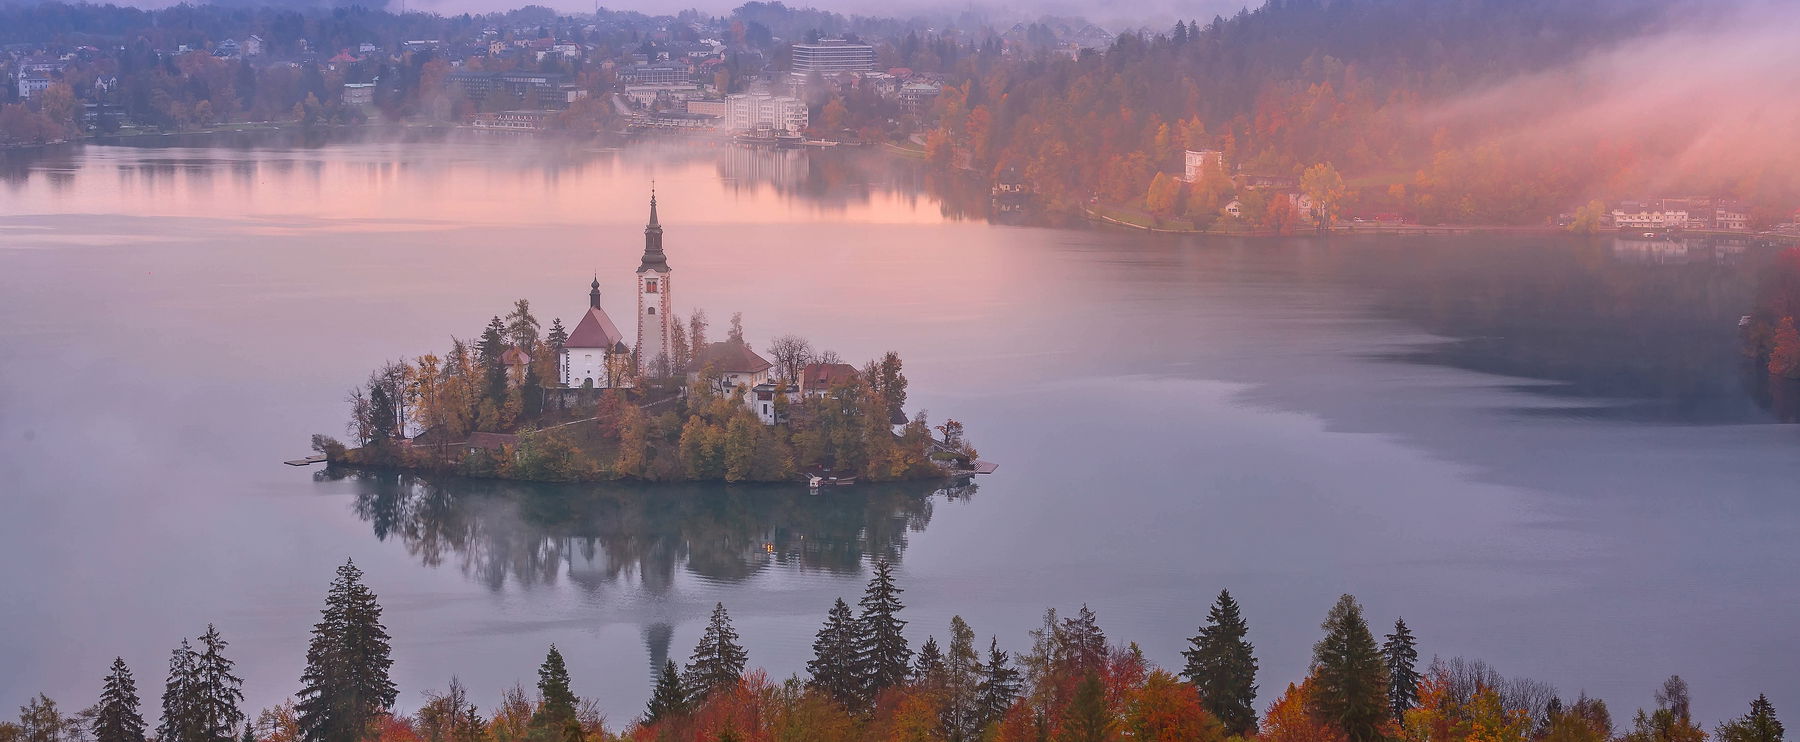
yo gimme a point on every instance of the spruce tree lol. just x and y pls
(999, 685)
(1760, 725)
(928, 667)
(718, 660)
(556, 702)
(345, 686)
(883, 653)
(557, 336)
(181, 719)
(1402, 657)
(118, 718)
(1351, 674)
(1083, 643)
(669, 699)
(218, 694)
(1221, 663)
(834, 663)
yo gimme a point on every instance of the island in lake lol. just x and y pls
(667, 405)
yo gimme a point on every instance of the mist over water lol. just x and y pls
(1540, 451)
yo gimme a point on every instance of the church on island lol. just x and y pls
(596, 354)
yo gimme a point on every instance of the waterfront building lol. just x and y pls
(817, 379)
(734, 363)
(764, 112)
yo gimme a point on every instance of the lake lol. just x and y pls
(1541, 451)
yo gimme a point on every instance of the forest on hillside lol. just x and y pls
(1471, 111)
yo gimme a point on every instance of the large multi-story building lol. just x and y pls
(764, 112)
(522, 89)
(829, 57)
(1198, 162)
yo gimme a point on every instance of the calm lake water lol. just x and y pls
(1542, 452)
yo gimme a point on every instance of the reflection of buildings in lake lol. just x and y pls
(1671, 251)
(749, 167)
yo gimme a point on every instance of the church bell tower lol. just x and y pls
(655, 308)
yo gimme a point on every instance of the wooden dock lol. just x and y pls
(308, 461)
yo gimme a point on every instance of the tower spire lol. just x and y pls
(654, 259)
(594, 293)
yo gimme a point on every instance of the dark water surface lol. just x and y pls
(1542, 452)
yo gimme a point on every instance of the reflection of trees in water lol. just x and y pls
(1657, 340)
(595, 535)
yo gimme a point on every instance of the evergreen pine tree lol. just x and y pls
(1402, 658)
(118, 718)
(556, 702)
(492, 344)
(883, 653)
(718, 661)
(1760, 725)
(181, 721)
(1088, 720)
(557, 336)
(218, 694)
(249, 734)
(345, 687)
(1351, 674)
(999, 686)
(1083, 643)
(669, 699)
(834, 664)
(928, 667)
(1222, 665)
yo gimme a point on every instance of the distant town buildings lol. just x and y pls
(828, 57)
(764, 112)
(522, 121)
(359, 93)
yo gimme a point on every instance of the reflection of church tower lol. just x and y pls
(654, 303)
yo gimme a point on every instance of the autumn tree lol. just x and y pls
(1322, 184)
(962, 681)
(1164, 196)
(790, 353)
(1165, 709)
(1351, 674)
(1784, 355)
(1221, 663)
(1671, 721)
(1291, 719)
(450, 716)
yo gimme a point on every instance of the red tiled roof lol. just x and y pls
(825, 375)
(595, 330)
(731, 357)
(515, 357)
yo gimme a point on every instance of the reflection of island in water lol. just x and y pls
(593, 535)
(638, 536)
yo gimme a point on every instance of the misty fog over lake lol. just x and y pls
(1541, 451)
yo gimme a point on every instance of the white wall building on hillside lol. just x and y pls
(762, 112)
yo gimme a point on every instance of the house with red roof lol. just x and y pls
(729, 364)
(817, 379)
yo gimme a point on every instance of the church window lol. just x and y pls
(650, 286)
(651, 310)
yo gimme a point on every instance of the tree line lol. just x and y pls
(866, 682)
